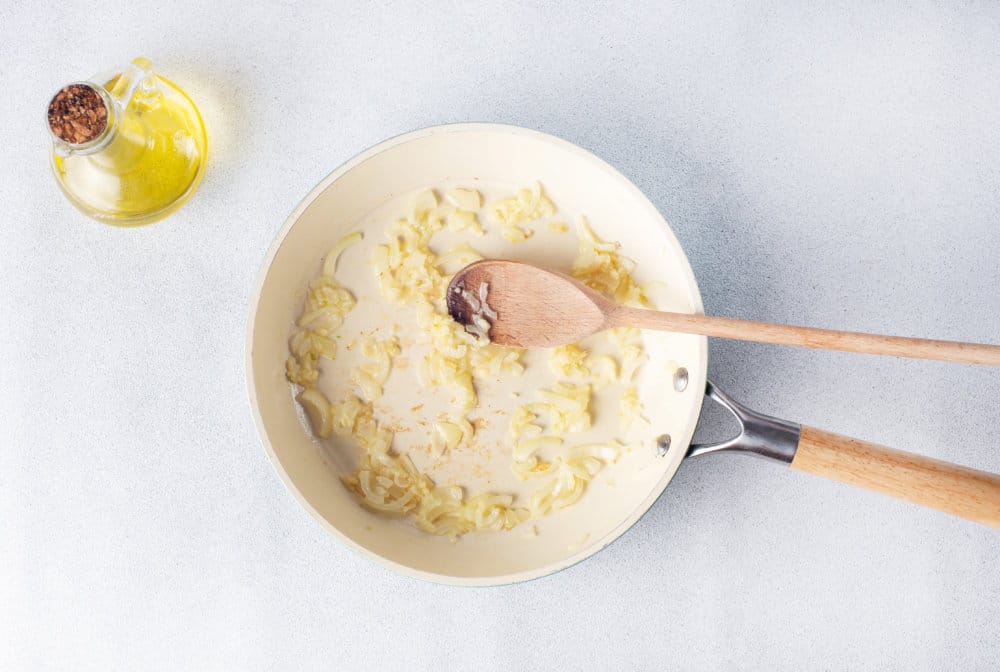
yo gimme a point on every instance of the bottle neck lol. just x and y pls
(83, 119)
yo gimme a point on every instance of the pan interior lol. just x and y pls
(365, 195)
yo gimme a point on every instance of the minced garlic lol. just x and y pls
(408, 272)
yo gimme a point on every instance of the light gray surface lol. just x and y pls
(835, 167)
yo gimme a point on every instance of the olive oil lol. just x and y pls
(148, 159)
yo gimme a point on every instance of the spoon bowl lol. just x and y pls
(534, 307)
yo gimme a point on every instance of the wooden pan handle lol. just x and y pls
(960, 491)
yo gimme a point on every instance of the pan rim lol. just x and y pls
(492, 580)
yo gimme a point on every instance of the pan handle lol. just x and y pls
(960, 491)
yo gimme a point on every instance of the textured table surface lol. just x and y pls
(835, 167)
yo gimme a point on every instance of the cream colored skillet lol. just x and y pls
(361, 195)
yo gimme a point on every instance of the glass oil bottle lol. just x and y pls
(128, 148)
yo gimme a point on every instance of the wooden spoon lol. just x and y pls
(539, 308)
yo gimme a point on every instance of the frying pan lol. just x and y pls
(364, 194)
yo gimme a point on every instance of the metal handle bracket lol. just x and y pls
(759, 435)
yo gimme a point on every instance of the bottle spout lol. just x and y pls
(79, 117)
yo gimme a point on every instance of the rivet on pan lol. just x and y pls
(662, 444)
(680, 379)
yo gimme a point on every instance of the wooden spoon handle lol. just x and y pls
(960, 491)
(809, 337)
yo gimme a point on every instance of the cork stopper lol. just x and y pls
(78, 114)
